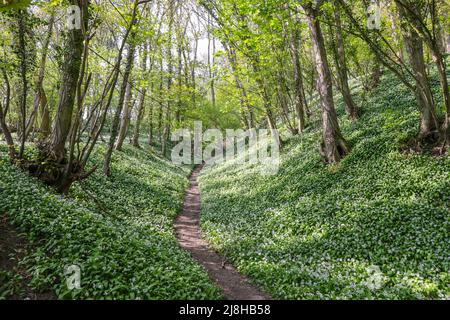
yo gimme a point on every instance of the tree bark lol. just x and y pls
(414, 46)
(69, 80)
(341, 66)
(123, 89)
(3, 113)
(246, 108)
(167, 125)
(21, 51)
(40, 99)
(300, 99)
(377, 72)
(211, 61)
(283, 103)
(126, 114)
(334, 147)
(416, 14)
(142, 96)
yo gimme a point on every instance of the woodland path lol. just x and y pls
(187, 229)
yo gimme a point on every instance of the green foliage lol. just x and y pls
(118, 230)
(10, 284)
(316, 232)
(9, 5)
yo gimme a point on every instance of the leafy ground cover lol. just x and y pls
(118, 231)
(377, 226)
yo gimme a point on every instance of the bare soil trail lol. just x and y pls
(187, 228)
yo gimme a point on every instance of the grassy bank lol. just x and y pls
(118, 231)
(376, 226)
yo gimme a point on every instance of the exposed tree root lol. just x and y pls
(434, 143)
(53, 170)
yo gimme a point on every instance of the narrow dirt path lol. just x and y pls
(187, 228)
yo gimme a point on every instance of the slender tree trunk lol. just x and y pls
(44, 129)
(211, 53)
(283, 101)
(108, 93)
(414, 46)
(3, 113)
(8, 137)
(160, 103)
(334, 147)
(300, 99)
(415, 25)
(271, 119)
(246, 108)
(440, 62)
(150, 125)
(40, 99)
(193, 76)
(116, 119)
(129, 66)
(341, 66)
(21, 49)
(126, 114)
(150, 117)
(167, 126)
(180, 80)
(377, 72)
(142, 96)
(73, 171)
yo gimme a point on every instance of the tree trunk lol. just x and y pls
(440, 62)
(3, 113)
(123, 89)
(414, 46)
(341, 68)
(300, 99)
(129, 66)
(377, 72)
(69, 80)
(150, 119)
(142, 95)
(21, 51)
(44, 129)
(150, 126)
(40, 99)
(126, 114)
(334, 147)
(244, 101)
(167, 125)
(211, 61)
(193, 76)
(52, 163)
(8, 137)
(283, 102)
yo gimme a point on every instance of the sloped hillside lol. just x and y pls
(118, 231)
(375, 226)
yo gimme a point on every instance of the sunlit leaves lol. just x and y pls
(8, 5)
